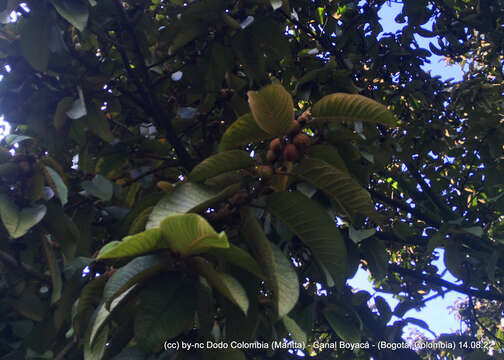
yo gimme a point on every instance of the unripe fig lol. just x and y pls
(270, 156)
(290, 153)
(301, 141)
(275, 145)
(265, 171)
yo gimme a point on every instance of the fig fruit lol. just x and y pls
(265, 171)
(270, 156)
(290, 153)
(301, 141)
(275, 145)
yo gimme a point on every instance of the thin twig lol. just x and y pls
(489, 295)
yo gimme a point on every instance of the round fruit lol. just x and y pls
(302, 141)
(270, 156)
(290, 153)
(275, 145)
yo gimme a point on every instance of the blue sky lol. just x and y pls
(435, 313)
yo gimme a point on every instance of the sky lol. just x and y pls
(435, 313)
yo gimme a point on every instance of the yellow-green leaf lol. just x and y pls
(272, 108)
(221, 163)
(312, 224)
(242, 132)
(352, 108)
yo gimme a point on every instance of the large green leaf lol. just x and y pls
(273, 109)
(351, 108)
(242, 132)
(186, 198)
(186, 234)
(35, 42)
(57, 185)
(339, 185)
(312, 224)
(221, 163)
(136, 271)
(18, 222)
(99, 124)
(95, 350)
(134, 245)
(60, 115)
(191, 234)
(329, 154)
(224, 283)
(74, 11)
(166, 309)
(238, 257)
(100, 186)
(281, 278)
(343, 326)
(297, 334)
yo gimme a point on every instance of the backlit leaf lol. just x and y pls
(242, 132)
(220, 163)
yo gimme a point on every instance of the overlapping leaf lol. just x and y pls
(186, 234)
(19, 222)
(351, 108)
(281, 278)
(337, 184)
(224, 283)
(221, 163)
(272, 108)
(313, 225)
(242, 132)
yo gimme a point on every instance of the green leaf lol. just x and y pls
(243, 131)
(18, 222)
(281, 278)
(100, 187)
(137, 270)
(96, 350)
(358, 235)
(329, 154)
(99, 124)
(60, 115)
(35, 42)
(188, 197)
(108, 247)
(12, 139)
(312, 224)
(74, 11)
(273, 109)
(297, 334)
(187, 234)
(166, 310)
(57, 184)
(384, 309)
(221, 163)
(134, 245)
(337, 184)
(238, 257)
(352, 108)
(191, 234)
(343, 326)
(224, 283)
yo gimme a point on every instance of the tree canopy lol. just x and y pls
(194, 173)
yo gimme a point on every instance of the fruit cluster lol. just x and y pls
(288, 149)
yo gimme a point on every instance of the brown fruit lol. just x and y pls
(270, 156)
(275, 145)
(290, 153)
(301, 141)
(304, 117)
(239, 198)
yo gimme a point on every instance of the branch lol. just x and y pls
(26, 269)
(489, 295)
(154, 108)
(152, 171)
(419, 214)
